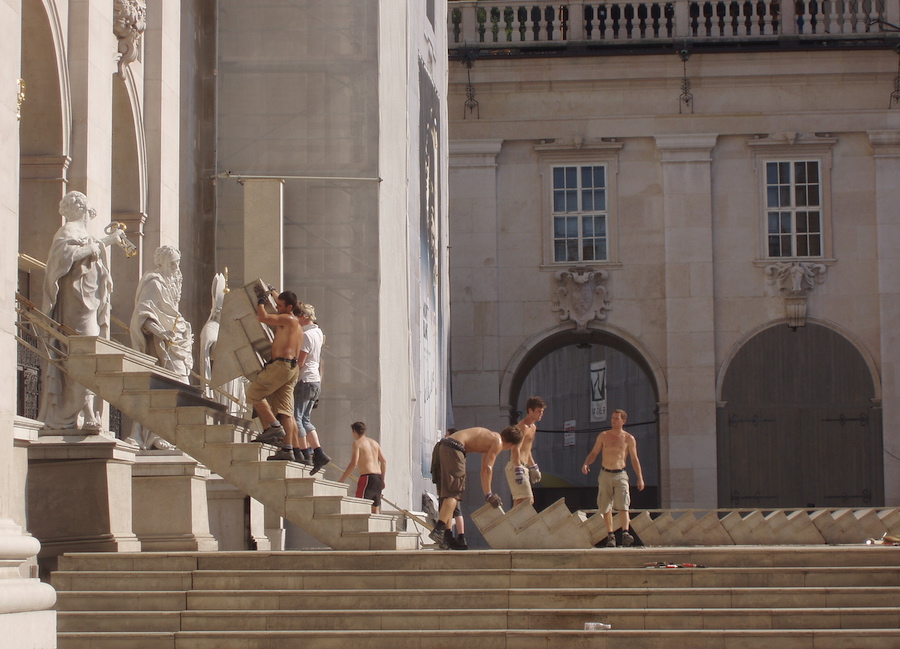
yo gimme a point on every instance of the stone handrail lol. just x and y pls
(497, 23)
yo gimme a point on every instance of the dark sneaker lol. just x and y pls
(456, 543)
(320, 460)
(437, 535)
(627, 540)
(300, 458)
(283, 454)
(611, 540)
(271, 435)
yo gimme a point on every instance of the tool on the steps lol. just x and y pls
(405, 512)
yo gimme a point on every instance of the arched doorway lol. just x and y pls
(558, 368)
(800, 424)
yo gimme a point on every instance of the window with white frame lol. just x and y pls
(580, 213)
(794, 218)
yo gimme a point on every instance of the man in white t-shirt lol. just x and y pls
(308, 388)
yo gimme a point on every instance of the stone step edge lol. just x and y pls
(477, 633)
(537, 573)
(854, 610)
(881, 591)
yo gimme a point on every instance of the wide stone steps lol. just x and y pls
(498, 639)
(485, 579)
(745, 597)
(181, 415)
(522, 618)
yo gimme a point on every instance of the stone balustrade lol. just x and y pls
(497, 23)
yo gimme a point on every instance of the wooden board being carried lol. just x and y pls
(244, 343)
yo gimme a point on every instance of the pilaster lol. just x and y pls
(690, 479)
(886, 152)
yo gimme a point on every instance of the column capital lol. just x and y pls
(475, 153)
(884, 143)
(686, 147)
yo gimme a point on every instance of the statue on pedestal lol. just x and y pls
(209, 334)
(159, 329)
(77, 291)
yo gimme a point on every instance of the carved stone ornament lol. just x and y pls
(796, 280)
(581, 295)
(129, 23)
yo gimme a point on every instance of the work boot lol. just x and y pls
(457, 543)
(610, 540)
(271, 435)
(282, 454)
(437, 535)
(300, 458)
(627, 539)
(320, 460)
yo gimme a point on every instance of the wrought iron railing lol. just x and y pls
(494, 23)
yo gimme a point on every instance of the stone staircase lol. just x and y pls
(556, 527)
(805, 597)
(180, 414)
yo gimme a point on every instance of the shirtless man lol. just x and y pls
(520, 457)
(616, 445)
(367, 454)
(272, 391)
(453, 450)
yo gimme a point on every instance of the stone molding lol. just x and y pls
(581, 295)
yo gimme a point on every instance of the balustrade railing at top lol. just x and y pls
(497, 23)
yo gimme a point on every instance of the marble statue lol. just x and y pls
(77, 290)
(208, 337)
(159, 329)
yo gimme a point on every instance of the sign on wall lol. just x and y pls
(598, 391)
(569, 427)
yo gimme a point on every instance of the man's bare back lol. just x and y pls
(478, 440)
(370, 456)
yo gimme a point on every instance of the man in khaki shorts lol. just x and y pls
(272, 391)
(453, 450)
(616, 446)
(521, 470)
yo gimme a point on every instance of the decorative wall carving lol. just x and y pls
(129, 23)
(796, 280)
(581, 295)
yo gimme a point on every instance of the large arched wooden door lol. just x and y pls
(799, 426)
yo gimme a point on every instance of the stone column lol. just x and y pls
(91, 67)
(162, 111)
(688, 461)
(264, 231)
(26, 618)
(474, 283)
(476, 318)
(886, 151)
(170, 503)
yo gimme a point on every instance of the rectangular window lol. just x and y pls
(794, 208)
(579, 213)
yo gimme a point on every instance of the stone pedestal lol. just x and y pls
(170, 503)
(79, 494)
(235, 519)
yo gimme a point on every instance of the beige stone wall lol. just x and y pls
(687, 273)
